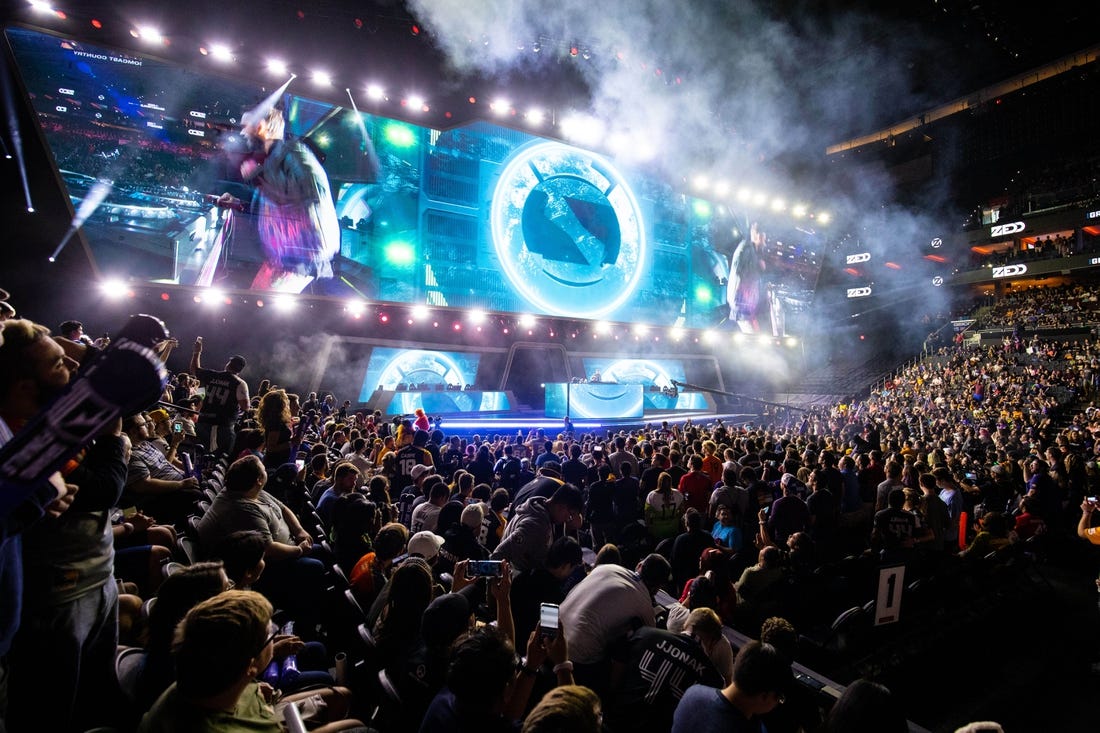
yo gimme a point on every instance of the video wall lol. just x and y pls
(181, 176)
(418, 370)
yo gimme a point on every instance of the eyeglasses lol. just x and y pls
(271, 637)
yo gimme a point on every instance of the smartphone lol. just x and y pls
(971, 476)
(1092, 499)
(300, 463)
(548, 620)
(177, 427)
(483, 569)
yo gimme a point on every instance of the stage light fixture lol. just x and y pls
(708, 336)
(778, 204)
(277, 67)
(743, 194)
(196, 298)
(376, 92)
(535, 116)
(322, 78)
(764, 339)
(500, 106)
(356, 309)
(640, 329)
(457, 326)
(113, 288)
(259, 303)
(739, 338)
(284, 302)
(824, 217)
(383, 318)
(213, 297)
(721, 188)
(603, 327)
(420, 312)
(759, 199)
(527, 321)
(221, 52)
(676, 333)
(798, 211)
(792, 341)
(700, 182)
(41, 7)
(476, 317)
(415, 102)
(149, 34)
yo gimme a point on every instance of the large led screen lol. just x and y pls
(181, 176)
(596, 401)
(418, 370)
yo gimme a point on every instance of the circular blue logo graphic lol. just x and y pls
(567, 231)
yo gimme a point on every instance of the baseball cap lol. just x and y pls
(420, 470)
(426, 544)
(472, 516)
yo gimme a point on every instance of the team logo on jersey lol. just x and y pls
(567, 231)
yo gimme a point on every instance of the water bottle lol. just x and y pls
(271, 674)
(288, 674)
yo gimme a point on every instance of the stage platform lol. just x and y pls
(467, 424)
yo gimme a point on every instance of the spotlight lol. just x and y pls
(676, 333)
(420, 312)
(582, 129)
(40, 6)
(149, 34)
(778, 204)
(322, 78)
(641, 329)
(213, 297)
(700, 182)
(603, 327)
(113, 288)
(526, 321)
(415, 102)
(708, 336)
(221, 52)
(376, 92)
(383, 318)
(476, 317)
(738, 338)
(356, 309)
(535, 116)
(277, 67)
(792, 341)
(824, 217)
(284, 302)
(500, 106)
(798, 211)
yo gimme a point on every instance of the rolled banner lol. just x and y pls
(964, 522)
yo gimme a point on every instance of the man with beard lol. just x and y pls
(69, 628)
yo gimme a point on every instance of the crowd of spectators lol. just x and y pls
(257, 546)
(1046, 307)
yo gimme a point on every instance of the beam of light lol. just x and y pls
(253, 116)
(87, 207)
(13, 130)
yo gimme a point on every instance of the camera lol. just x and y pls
(483, 569)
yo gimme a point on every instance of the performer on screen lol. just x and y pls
(295, 215)
(745, 289)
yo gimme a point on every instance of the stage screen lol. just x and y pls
(417, 370)
(318, 199)
(660, 372)
(597, 401)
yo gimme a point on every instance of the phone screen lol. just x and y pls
(483, 568)
(548, 619)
